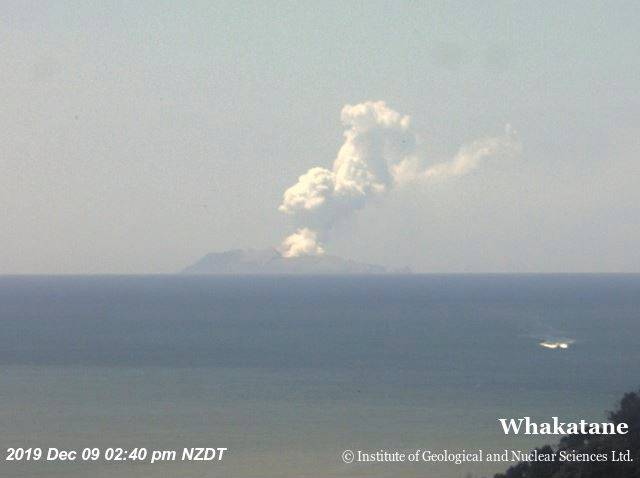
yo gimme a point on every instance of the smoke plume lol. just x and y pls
(304, 242)
(380, 152)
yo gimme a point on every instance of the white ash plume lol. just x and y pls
(380, 151)
(304, 242)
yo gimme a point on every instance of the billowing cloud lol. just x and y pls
(303, 242)
(380, 151)
(376, 137)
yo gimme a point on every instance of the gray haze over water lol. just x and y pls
(139, 136)
(288, 372)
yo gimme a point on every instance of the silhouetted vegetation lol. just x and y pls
(629, 413)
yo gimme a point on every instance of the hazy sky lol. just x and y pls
(137, 136)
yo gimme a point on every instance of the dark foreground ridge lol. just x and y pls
(270, 261)
(629, 413)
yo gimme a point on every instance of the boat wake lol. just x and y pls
(549, 337)
(556, 344)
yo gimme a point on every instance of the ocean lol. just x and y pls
(288, 372)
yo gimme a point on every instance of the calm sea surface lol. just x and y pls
(289, 372)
